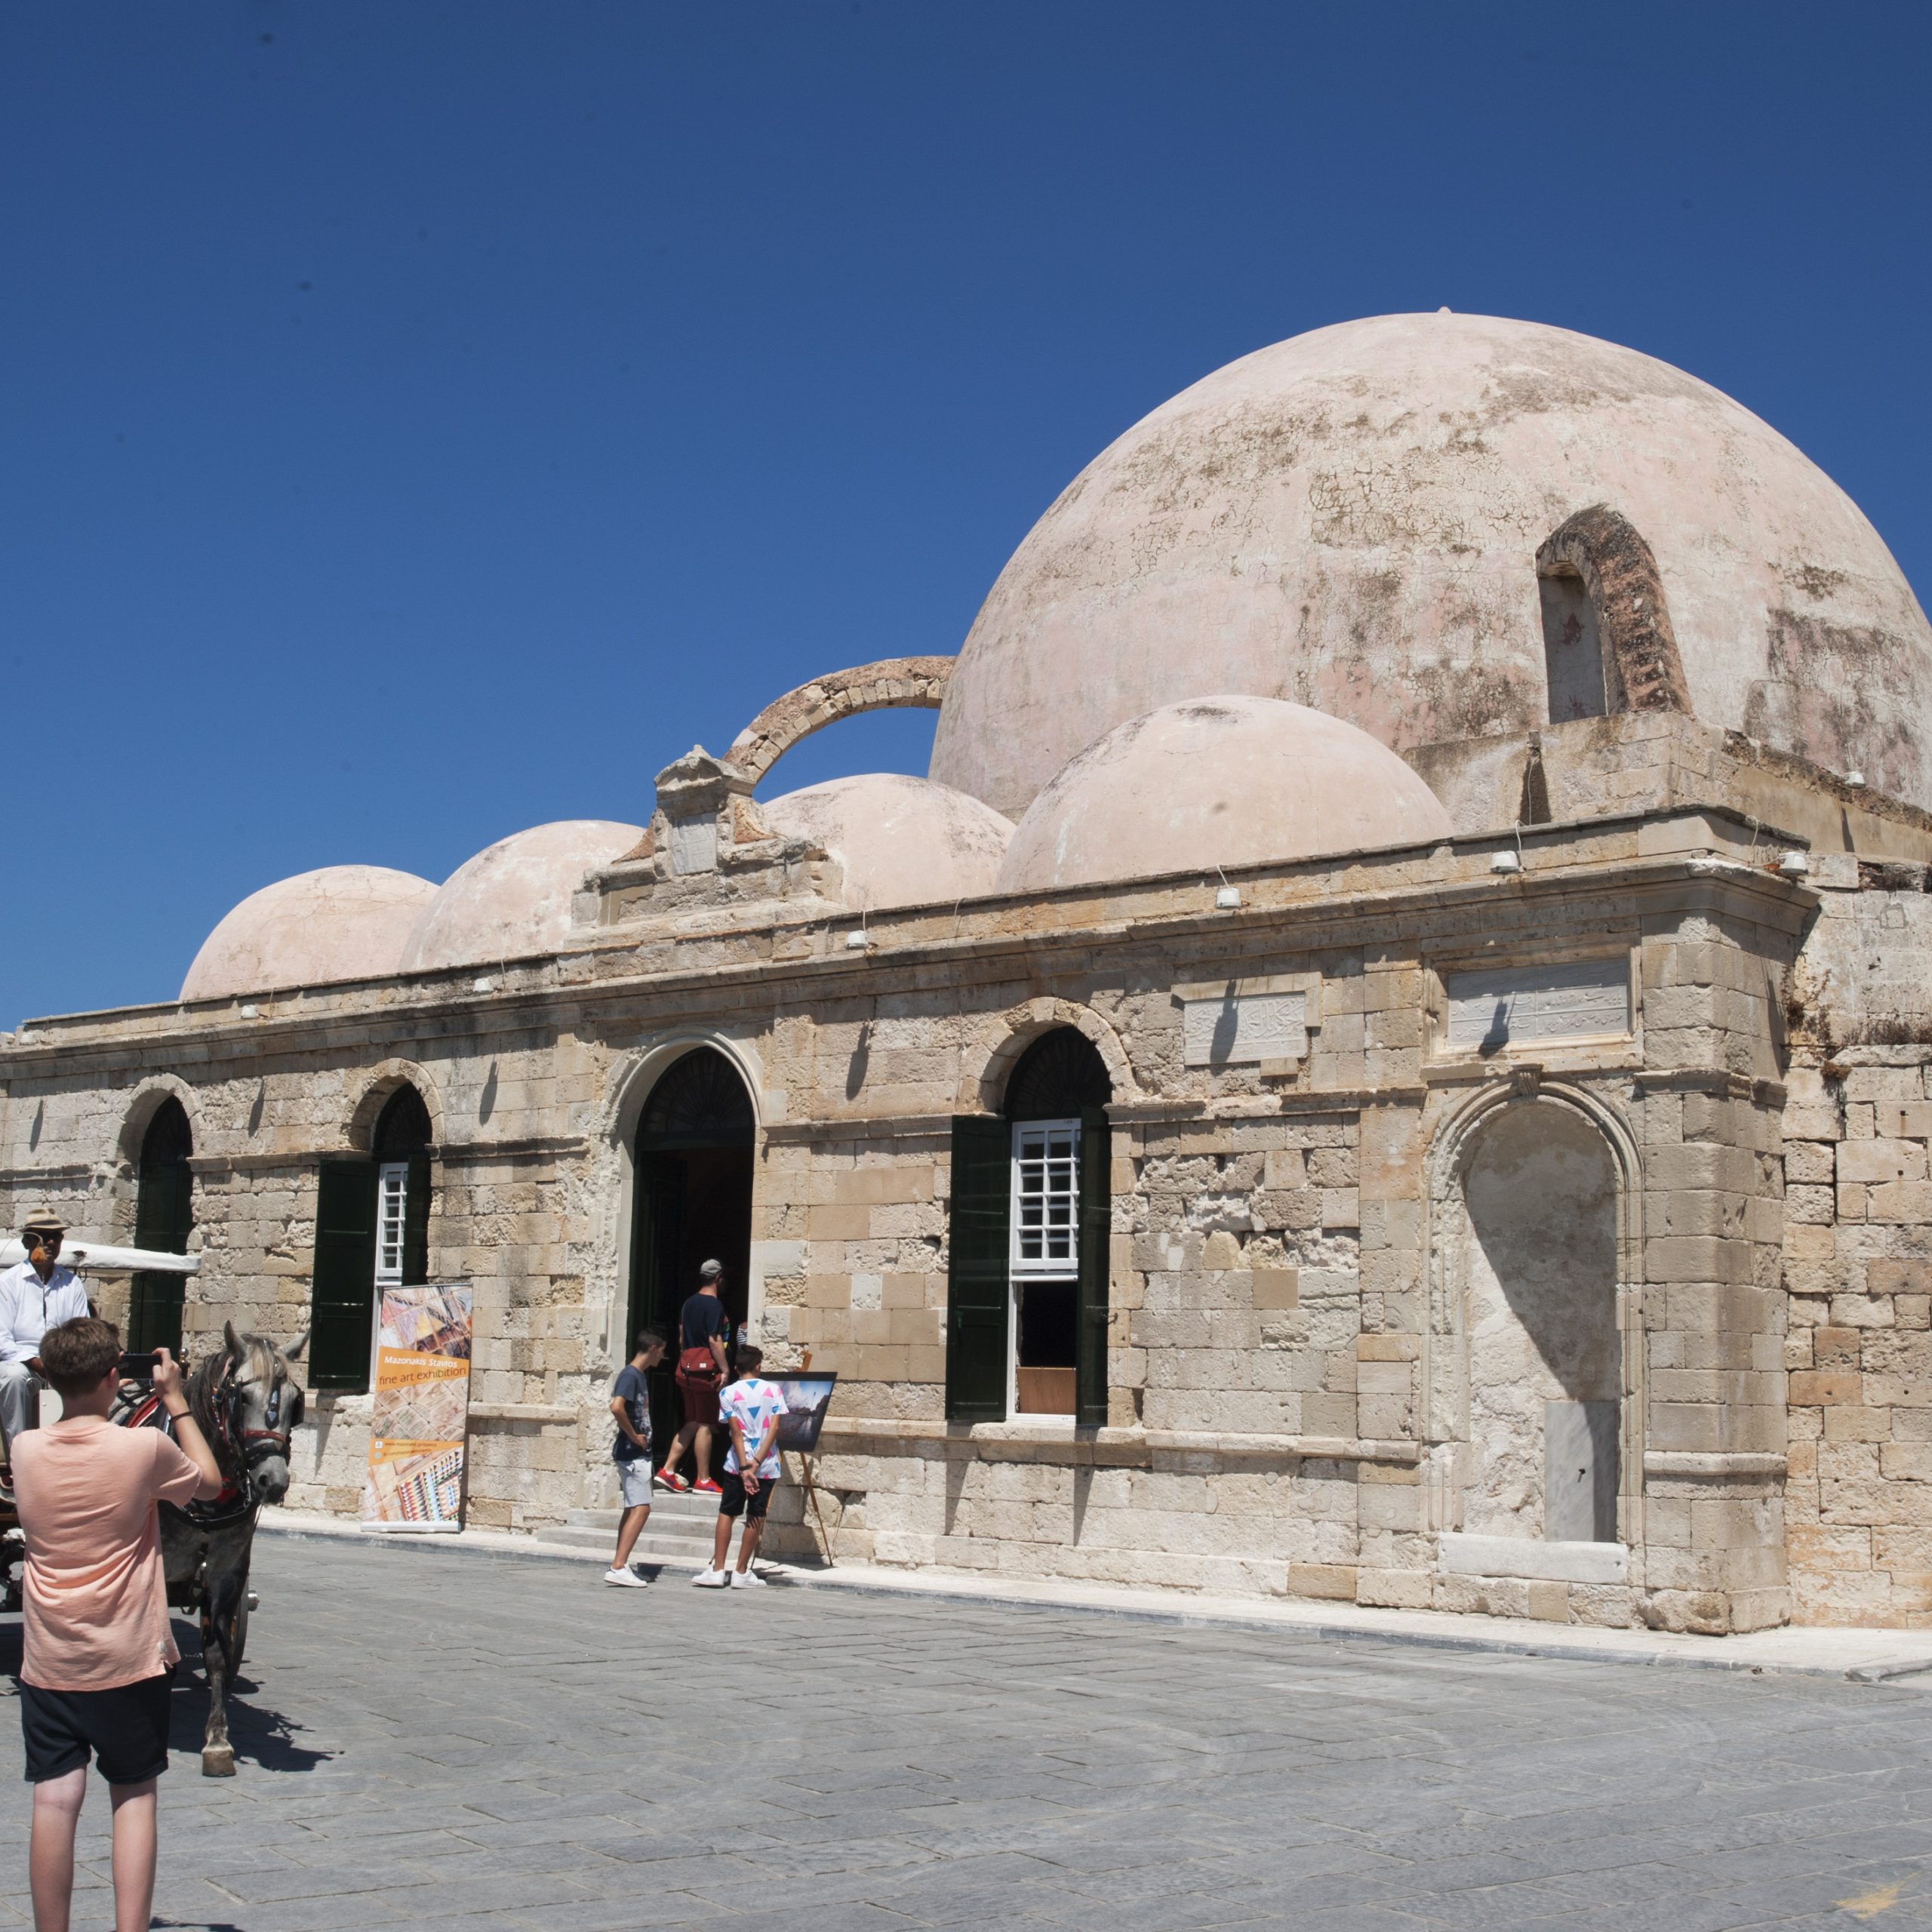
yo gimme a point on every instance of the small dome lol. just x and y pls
(1350, 520)
(343, 922)
(1218, 781)
(901, 842)
(512, 901)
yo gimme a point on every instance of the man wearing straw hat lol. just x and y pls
(35, 1295)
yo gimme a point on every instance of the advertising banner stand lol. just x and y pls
(420, 1426)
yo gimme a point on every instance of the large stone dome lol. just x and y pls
(343, 922)
(512, 900)
(1217, 782)
(1350, 520)
(899, 841)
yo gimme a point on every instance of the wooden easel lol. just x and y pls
(811, 1487)
(811, 1490)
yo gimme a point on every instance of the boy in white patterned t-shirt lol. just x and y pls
(750, 1408)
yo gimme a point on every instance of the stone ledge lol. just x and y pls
(523, 1412)
(1124, 1444)
(1458, 1555)
(1723, 1464)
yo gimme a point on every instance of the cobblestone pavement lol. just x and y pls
(436, 1739)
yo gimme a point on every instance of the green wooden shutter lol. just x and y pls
(342, 1302)
(164, 1219)
(976, 1323)
(416, 1223)
(1090, 1358)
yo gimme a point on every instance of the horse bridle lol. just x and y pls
(252, 1447)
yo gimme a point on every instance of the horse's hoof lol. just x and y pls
(218, 1761)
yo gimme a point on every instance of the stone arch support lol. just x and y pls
(633, 1075)
(910, 684)
(142, 1109)
(990, 1056)
(1620, 574)
(359, 1130)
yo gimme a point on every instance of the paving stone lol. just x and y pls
(494, 1744)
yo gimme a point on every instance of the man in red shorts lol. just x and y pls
(99, 1655)
(703, 1326)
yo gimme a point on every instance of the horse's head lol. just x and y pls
(264, 1405)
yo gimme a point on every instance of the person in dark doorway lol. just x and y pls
(702, 1325)
(630, 1403)
(752, 1407)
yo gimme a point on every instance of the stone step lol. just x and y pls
(666, 1506)
(673, 1544)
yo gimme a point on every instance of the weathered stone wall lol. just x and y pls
(1288, 1332)
(1858, 1254)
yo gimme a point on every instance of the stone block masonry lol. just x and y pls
(1319, 1362)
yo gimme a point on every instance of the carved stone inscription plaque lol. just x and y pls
(1512, 1005)
(1241, 1029)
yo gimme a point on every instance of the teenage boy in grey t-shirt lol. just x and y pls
(630, 1404)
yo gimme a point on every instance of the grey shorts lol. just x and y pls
(634, 1479)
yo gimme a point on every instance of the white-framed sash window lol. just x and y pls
(392, 1221)
(1046, 1200)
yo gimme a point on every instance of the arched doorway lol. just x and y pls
(1545, 1352)
(692, 1202)
(164, 1219)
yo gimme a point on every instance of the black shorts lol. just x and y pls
(734, 1501)
(126, 1729)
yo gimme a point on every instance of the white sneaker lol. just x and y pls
(747, 1580)
(712, 1580)
(629, 1579)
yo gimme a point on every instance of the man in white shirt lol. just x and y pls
(35, 1297)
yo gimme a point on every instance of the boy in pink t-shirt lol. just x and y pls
(98, 1653)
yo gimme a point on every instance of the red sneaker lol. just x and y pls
(672, 1480)
(707, 1488)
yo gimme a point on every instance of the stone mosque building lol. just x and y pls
(1388, 1061)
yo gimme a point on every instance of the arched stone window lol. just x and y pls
(164, 1219)
(1608, 642)
(372, 1232)
(1026, 1321)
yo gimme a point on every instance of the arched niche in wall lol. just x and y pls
(1529, 1374)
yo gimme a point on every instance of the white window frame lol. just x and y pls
(392, 1223)
(1022, 1268)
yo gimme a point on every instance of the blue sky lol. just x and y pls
(423, 422)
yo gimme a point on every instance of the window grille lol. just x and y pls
(392, 1221)
(1046, 1199)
